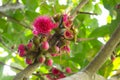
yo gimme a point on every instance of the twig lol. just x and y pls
(16, 68)
(104, 53)
(87, 13)
(84, 39)
(81, 4)
(10, 66)
(8, 7)
(4, 44)
(27, 71)
(15, 20)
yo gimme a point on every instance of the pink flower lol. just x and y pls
(68, 34)
(43, 25)
(21, 50)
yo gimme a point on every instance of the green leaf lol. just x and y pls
(31, 15)
(18, 14)
(31, 4)
(1, 71)
(88, 7)
(97, 9)
(100, 31)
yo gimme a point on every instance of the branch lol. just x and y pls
(84, 39)
(8, 7)
(10, 66)
(15, 20)
(4, 44)
(27, 71)
(104, 53)
(87, 13)
(81, 4)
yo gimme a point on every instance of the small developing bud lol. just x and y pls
(55, 71)
(57, 49)
(45, 45)
(30, 46)
(54, 54)
(29, 61)
(61, 75)
(68, 70)
(36, 40)
(41, 59)
(49, 62)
